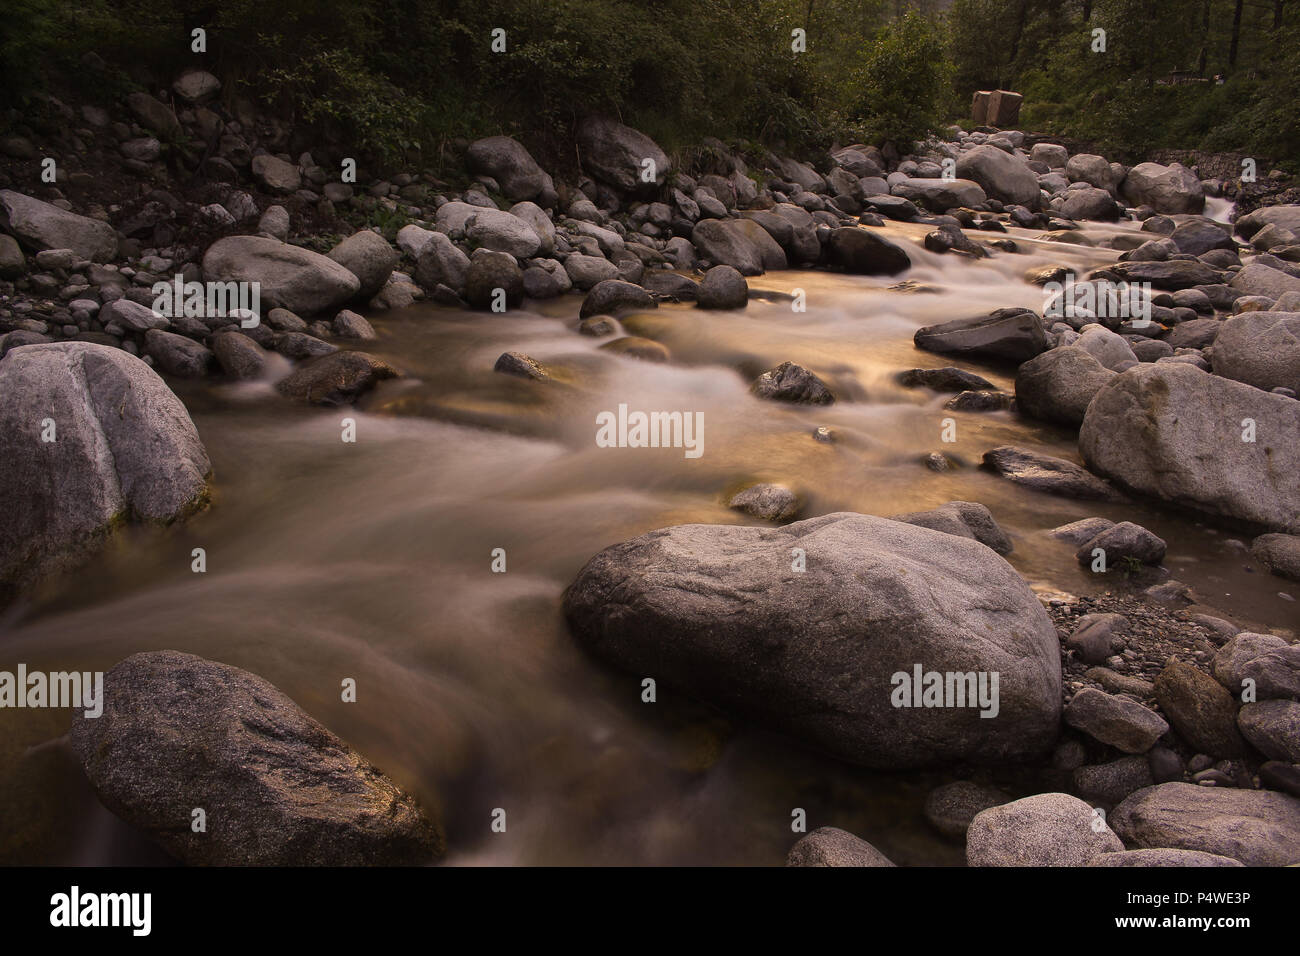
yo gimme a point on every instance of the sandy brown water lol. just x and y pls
(372, 560)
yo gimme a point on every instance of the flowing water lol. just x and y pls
(373, 560)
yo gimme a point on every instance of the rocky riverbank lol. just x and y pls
(1147, 729)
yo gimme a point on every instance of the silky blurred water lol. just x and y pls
(372, 560)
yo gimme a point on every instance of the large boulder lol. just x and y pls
(740, 243)
(302, 281)
(511, 165)
(1089, 203)
(1166, 189)
(38, 225)
(1173, 274)
(616, 154)
(1057, 385)
(828, 653)
(179, 732)
(1011, 334)
(1257, 827)
(369, 257)
(1260, 349)
(275, 174)
(1170, 430)
(500, 231)
(122, 447)
(863, 252)
(1047, 829)
(940, 195)
(1284, 217)
(1001, 175)
(1260, 279)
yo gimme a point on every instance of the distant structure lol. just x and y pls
(1000, 108)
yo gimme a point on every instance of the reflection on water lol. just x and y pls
(372, 560)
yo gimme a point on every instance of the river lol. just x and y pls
(373, 560)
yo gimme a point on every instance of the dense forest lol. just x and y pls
(407, 75)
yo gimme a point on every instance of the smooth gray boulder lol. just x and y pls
(369, 257)
(1273, 728)
(1257, 827)
(1057, 385)
(500, 231)
(740, 243)
(1166, 189)
(825, 653)
(508, 162)
(1284, 217)
(1268, 661)
(439, 261)
(124, 448)
(38, 225)
(1047, 829)
(940, 195)
(277, 788)
(292, 278)
(1119, 721)
(723, 288)
(613, 296)
(1175, 432)
(1260, 279)
(177, 355)
(617, 154)
(863, 252)
(1260, 349)
(1001, 175)
(829, 846)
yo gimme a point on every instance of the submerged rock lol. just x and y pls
(792, 383)
(770, 501)
(1045, 473)
(179, 732)
(338, 378)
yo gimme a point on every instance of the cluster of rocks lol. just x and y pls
(1160, 762)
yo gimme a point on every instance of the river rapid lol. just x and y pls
(373, 559)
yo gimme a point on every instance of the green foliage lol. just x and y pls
(899, 91)
(405, 78)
